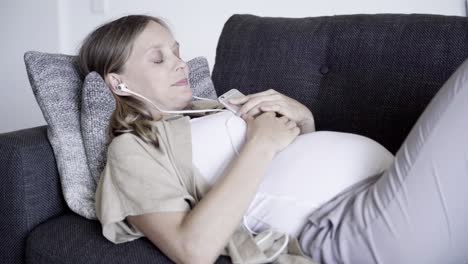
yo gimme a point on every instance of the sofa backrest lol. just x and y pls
(367, 74)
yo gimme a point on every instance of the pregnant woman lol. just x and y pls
(193, 186)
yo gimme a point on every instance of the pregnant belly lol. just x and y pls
(318, 165)
(310, 171)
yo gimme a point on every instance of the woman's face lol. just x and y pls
(154, 67)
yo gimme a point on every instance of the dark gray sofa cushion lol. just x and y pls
(367, 74)
(29, 186)
(73, 239)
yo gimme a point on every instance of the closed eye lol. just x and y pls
(176, 52)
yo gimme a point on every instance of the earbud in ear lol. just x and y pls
(122, 87)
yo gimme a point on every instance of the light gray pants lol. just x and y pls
(417, 210)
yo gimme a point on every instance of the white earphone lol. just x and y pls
(123, 87)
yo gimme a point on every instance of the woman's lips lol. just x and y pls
(182, 82)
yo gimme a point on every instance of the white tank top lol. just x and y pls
(310, 171)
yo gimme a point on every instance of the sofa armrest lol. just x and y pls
(30, 188)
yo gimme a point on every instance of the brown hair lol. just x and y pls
(105, 50)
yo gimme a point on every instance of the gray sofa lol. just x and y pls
(366, 74)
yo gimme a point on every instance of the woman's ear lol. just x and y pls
(113, 80)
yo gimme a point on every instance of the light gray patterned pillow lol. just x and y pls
(57, 87)
(98, 104)
(199, 77)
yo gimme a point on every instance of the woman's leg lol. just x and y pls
(417, 211)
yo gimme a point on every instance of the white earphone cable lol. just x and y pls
(123, 88)
(205, 99)
(230, 137)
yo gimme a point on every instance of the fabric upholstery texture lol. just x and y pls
(29, 186)
(97, 106)
(80, 241)
(57, 87)
(367, 74)
(200, 78)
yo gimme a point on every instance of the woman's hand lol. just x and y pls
(269, 132)
(271, 100)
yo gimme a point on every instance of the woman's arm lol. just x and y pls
(226, 203)
(199, 236)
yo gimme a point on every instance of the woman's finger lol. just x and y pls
(284, 119)
(290, 124)
(241, 100)
(264, 93)
(254, 112)
(280, 107)
(247, 119)
(269, 106)
(295, 130)
(238, 100)
(253, 102)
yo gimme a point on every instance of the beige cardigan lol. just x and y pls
(139, 178)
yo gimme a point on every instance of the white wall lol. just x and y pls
(198, 26)
(24, 25)
(61, 25)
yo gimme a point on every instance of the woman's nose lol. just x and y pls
(180, 65)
